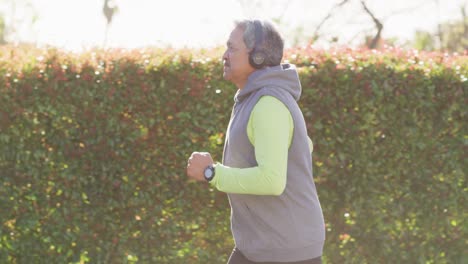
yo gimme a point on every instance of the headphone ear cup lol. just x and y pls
(257, 59)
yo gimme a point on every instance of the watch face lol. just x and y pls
(208, 173)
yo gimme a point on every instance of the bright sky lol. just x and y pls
(77, 24)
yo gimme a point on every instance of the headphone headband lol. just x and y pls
(258, 33)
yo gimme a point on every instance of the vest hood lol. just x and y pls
(283, 76)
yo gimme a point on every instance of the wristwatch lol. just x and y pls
(209, 173)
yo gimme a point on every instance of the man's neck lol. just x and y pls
(241, 85)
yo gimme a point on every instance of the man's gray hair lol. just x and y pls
(272, 43)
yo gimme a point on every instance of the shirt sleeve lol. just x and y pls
(269, 129)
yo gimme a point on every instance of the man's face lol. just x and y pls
(236, 59)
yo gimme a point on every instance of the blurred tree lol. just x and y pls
(109, 9)
(12, 21)
(455, 35)
(2, 30)
(330, 14)
(328, 30)
(451, 36)
(424, 41)
(374, 42)
(375, 25)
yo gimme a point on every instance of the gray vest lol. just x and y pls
(288, 227)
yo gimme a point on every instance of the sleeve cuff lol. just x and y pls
(217, 167)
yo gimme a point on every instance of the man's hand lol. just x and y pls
(197, 164)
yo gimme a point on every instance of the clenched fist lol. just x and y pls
(197, 164)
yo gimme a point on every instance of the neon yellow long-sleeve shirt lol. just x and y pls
(270, 129)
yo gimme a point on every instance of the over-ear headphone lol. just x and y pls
(257, 57)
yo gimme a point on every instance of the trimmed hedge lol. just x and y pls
(93, 149)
